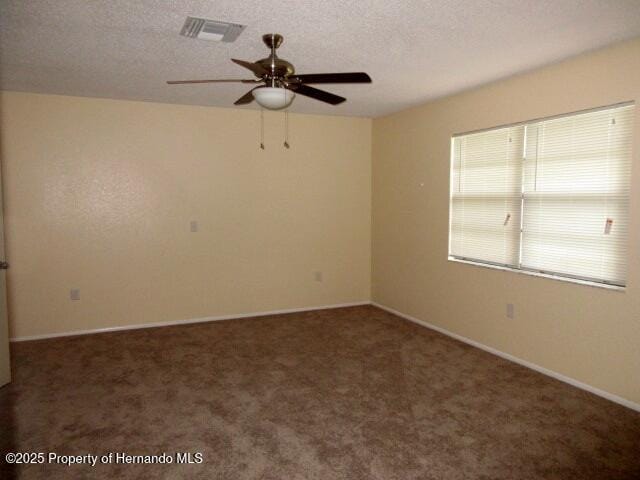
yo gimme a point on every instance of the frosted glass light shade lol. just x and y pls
(273, 98)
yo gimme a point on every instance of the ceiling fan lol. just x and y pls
(278, 82)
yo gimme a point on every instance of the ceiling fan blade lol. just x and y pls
(256, 68)
(222, 80)
(349, 77)
(317, 94)
(246, 98)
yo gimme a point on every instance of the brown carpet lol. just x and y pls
(353, 393)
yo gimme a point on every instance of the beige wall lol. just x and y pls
(587, 333)
(100, 195)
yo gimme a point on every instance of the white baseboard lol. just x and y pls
(558, 376)
(185, 321)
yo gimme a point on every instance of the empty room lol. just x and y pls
(329, 240)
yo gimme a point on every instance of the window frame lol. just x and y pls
(600, 283)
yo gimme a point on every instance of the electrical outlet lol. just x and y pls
(510, 311)
(194, 226)
(74, 294)
(317, 276)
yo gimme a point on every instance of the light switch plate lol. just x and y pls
(510, 311)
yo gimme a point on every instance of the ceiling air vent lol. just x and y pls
(204, 29)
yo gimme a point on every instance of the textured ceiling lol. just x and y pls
(414, 50)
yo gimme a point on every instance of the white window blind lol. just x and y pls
(549, 196)
(486, 194)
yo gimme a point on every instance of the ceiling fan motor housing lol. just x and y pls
(277, 68)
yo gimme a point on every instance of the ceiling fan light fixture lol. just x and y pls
(273, 98)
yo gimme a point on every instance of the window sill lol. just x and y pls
(587, 283)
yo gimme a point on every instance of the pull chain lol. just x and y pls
(262, 129)
(286, 129)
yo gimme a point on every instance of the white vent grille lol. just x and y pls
(204, 29)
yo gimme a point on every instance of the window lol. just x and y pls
(548, 196)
